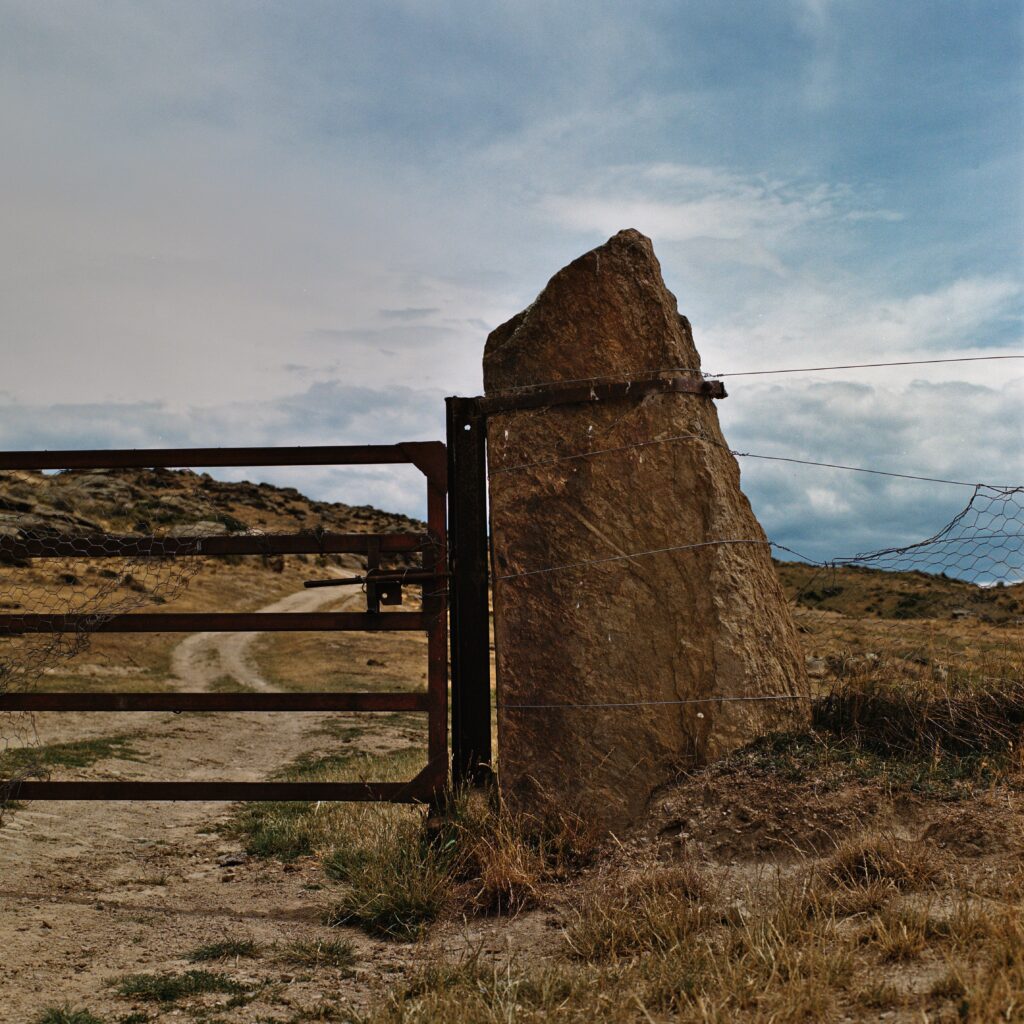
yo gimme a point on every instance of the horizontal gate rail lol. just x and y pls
(184, 458)
(399, 792)
(400, 701)
(216, 622)
(429, 457)
(308, 543)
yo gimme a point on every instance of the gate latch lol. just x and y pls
(383, 586)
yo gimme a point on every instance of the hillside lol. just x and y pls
(146, 501)
(859, 592)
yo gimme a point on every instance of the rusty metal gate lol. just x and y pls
(382, 587)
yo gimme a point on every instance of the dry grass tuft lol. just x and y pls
(881, 859)
(642, 912)
(991, 986)
(506, 858)
(899, 934)
(892, 711)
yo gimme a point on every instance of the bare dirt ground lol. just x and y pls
(91, 892)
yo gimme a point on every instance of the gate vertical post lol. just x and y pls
(468, 593)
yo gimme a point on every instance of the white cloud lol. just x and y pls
(811, 322)
(732, 218)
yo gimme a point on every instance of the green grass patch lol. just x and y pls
(169, 988)
(65, 1015)
(337, 953)
(396, 880)
(76, 754)
(225, 949)
(288, 830)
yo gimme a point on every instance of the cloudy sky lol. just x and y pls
(237, 223)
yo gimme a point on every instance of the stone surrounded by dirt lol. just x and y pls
(674, 626)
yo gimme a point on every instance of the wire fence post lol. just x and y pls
(470, 616)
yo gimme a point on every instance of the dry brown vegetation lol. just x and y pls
(870, 867)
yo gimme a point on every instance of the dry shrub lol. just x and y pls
(881, 859)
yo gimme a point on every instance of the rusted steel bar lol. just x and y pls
(306, 543)
(414, 577)
(214, 701)
(435, 604)
(418, 790)
(575, 394)
(217, 622)
(176, 458)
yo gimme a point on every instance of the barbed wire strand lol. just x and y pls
(743, 455)
(864, 366)
(747, 373)
(655, 703)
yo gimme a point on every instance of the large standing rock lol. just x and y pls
(710, 622)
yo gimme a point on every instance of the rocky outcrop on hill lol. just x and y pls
(175, 502)
(667, 593)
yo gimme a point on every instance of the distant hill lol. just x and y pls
(859, 592)
(162, 501)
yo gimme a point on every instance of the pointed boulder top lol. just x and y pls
(606, 314)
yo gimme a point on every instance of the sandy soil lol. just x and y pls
(89, 892)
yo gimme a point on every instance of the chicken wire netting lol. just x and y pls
(61, 557)
(81, 546)
(983, 543)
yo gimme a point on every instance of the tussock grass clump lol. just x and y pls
(825, 897)
(899, 934)
(881, 859)
(316, 953)
(225, 949)
(504, 858)
(169, 988)
(397, 877)
(965, 714)
(648, 912)
(989, 988)
(475, 991)
(66, 1015)
(396, 881)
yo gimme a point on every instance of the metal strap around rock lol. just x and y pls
(580, 394)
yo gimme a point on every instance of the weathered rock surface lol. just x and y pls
(709, 622)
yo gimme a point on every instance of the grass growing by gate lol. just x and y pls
(393, 880)
(75, 754)
(392, 876)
